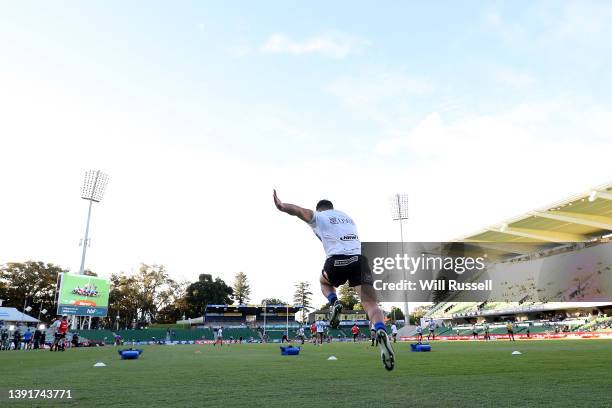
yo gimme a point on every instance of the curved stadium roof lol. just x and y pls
(581, 218)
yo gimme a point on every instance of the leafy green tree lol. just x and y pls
(204, 292)
(29, 283)
(141, 297)
(242, 289)
(348, 296)
(395, 314)
(303, 296)
(273, 301)
(123, 301)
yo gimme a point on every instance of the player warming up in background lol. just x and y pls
(432, 329)
(510, 328)
(344, 261)
(355, 332)
(419, 331)
(394, 332)
(219, 337)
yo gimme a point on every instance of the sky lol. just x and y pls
(479, 111)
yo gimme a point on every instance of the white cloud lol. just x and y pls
(381, 94)
(504, 164)
(513, 78)
(509, 32)
(332, 44)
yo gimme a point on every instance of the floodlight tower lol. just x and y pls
(92, 190)
(399, 212)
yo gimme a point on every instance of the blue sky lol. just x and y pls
(473, 104)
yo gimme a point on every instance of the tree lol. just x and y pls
(302, 296)
(29, 283)
(417, 314)
(200, 294)
(242, 290)
(272, 301)
(395, 314)
(348, 296)
(123, 300)
(142, 296)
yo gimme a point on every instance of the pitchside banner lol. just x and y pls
(83, 295)
(501, 272)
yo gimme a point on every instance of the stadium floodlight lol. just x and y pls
(399, 212)
(93, 189)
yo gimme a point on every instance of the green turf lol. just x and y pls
(455, 374)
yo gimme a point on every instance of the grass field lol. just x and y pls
(455, 374)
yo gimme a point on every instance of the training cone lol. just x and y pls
(332, 358)
(99, 364)
(516, 352)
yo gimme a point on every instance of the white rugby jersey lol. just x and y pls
(320, 326)
(393, 329)
(337, 233)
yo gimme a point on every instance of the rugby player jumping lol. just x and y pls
(344, 261)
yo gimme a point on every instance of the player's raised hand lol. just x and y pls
(277, 202)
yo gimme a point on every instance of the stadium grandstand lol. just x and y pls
(581, 224)
(248, 321)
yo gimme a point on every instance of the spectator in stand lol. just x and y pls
(27, 339)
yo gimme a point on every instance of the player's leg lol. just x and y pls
(368, 301)
(329, 291)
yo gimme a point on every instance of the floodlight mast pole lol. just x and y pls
(93, 190)
(400, 213)
(265, 305)
(82, 268)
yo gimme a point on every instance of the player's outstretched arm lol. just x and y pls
(302, 213)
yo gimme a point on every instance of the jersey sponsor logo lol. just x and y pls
(349, 237)
(344, 262)
(336, 220)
